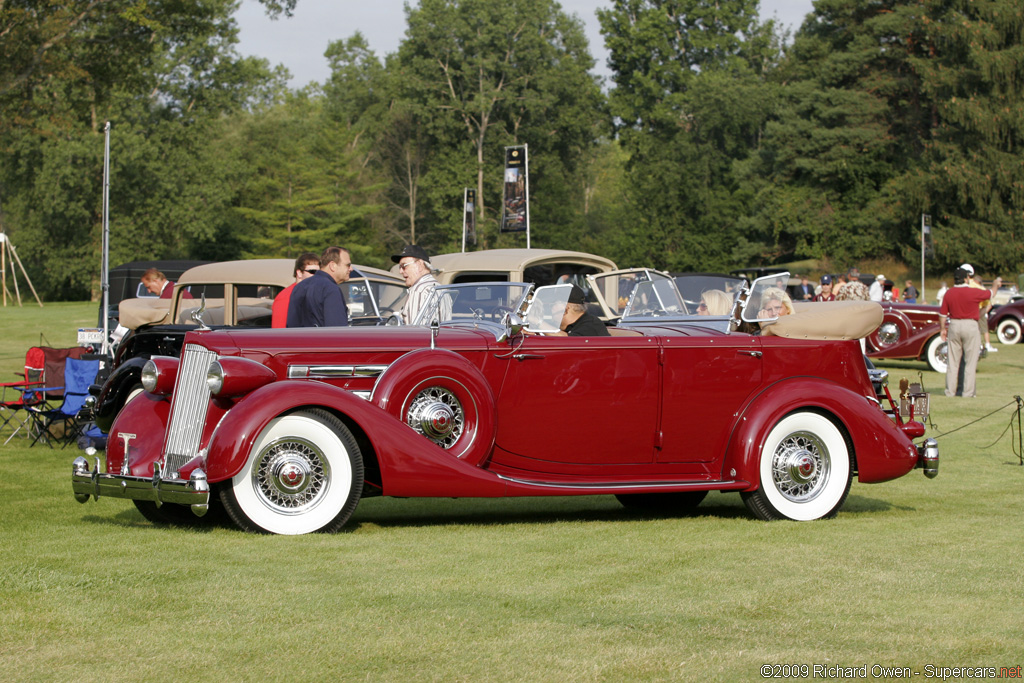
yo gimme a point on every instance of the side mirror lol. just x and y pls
(514, 324)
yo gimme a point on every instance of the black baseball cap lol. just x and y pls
(411, 251)
(576, 295)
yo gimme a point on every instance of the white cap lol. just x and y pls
(879, 277)
(968, 267)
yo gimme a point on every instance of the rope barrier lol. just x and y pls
(1018, 446)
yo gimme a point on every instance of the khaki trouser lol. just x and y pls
(963, 339)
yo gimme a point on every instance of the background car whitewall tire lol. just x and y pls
(304, 474)
(935, 354)
(1008, 331)
(804, 470)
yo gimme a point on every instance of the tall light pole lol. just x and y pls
(926, 228)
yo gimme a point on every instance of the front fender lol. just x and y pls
(410, 464)
(880, 450)
(115, 390)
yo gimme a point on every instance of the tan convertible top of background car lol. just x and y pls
(259, 272)
(511, 263)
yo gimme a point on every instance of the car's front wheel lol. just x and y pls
(1008, 331)
(304, 474)
(804, 470)
(935, 354)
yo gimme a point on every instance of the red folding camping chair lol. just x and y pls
(26, 393)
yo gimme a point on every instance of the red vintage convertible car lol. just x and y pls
(909, 332)
(289, 429)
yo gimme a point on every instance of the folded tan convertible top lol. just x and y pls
(827, 320)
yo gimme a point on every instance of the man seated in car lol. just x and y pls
(576, 322)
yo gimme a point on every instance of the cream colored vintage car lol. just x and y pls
(535, 266)
(237, 294)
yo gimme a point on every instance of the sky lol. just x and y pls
(299, 42)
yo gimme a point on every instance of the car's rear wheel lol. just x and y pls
(935, 354)
(304, 474)
(1008, 331)
(675, 501)
(804, 470)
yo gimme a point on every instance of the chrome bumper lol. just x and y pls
(194, 492)
(928, 458)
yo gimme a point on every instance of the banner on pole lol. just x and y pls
(515, 209)
(927, 244)
(469, 218)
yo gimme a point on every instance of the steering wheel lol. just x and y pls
(498, 313)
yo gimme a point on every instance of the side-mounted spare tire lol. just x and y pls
(443, 397)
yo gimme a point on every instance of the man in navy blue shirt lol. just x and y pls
(317, 301)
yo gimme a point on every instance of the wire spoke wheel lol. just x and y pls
(304, 474)
(804, 469)
(437, 414)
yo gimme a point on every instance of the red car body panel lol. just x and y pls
(675, 408)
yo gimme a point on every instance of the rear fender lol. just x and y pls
(410, 464)
(880, 450)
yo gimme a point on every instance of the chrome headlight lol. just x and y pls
(215, 377)
(149, 375)
(159, 374)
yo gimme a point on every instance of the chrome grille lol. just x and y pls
(188, 408)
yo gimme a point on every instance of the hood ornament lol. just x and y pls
(197, 313)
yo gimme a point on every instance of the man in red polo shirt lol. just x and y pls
(305, 266)
(958, 320)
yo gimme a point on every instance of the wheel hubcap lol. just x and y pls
(800, 467)
(888, 334)
(437, 414)
(290, 475)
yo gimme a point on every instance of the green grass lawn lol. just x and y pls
(913, 572)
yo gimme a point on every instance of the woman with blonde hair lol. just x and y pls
(714, 302)
(774, 303)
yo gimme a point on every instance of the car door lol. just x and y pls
(581, 400)
(707, 380)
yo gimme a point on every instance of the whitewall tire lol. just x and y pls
(804, 470)
(304, 474)
(935, 354)
(1008, 331)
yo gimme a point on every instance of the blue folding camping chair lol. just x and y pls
(78, 375)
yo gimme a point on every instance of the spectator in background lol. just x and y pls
(317, 301)
(941, 293)
(854, 290)
(805, 290)
(826, 289)
(983, 316)
(910, 293)
(958, 322)
(158, 284)
(305, 266)
(877, 291)
(414, 267)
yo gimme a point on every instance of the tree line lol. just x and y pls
(719, 141)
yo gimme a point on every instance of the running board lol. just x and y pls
(730, 485)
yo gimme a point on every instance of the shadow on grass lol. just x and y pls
(387, 513)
